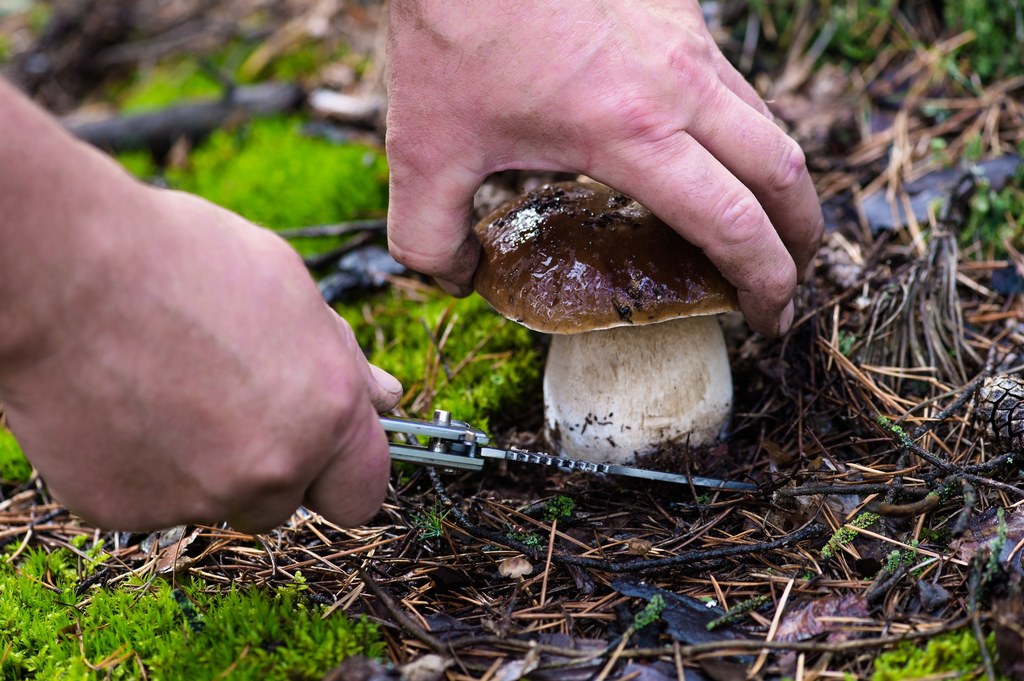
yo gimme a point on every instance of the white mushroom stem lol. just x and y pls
(614, 394)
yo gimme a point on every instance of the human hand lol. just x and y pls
(632, 93)
(188, 371)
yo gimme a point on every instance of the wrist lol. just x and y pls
(57, 240)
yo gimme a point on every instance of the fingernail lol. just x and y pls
(786, 320)
(386, 381)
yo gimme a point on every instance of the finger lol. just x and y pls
(684, 185)
(734, 134)
(351, 487)
(430, 218)
(741, 87)
(383, 389)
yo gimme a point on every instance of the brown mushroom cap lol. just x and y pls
(572, 257)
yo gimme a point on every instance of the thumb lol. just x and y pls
(430, 216)
(383, 389)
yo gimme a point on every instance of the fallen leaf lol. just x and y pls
(932, 595)
(1009, 614)
(686, 618)
(359, 668)
(810, 619)
(162, 538)
(658, 671)
(517, 669)
(426, 668)
(983, 532)
(173, 558)
(445, 627)
(581, 579)
(559, 668)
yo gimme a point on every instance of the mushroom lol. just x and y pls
(637, 359)
(515, 567)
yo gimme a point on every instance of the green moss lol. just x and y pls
(846, 534)
(846, 342)
(14, 468)
(737, 611)
(457, 355)
(997, 26)
(559, 507)
(272, 174)
(168, 83)
(294, 63)
(955, 651)
(155, 630)
(266, 170)
(896, 430)
(651, 612)
(995, 216)
(179, 78)
(532, 539)
(856, 31)
(864, 29)
(139, 163)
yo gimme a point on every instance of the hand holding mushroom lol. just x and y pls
(632, 93)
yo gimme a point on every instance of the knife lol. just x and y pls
(448, 443)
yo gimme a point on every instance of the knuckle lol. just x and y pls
(646, 108)
(207, 500)
(365, 514)
(635, 118)
(345, 404)
(271, 474)
(744, 221)
(696, 65)
(691, 51)
(746, 229)
(790, 172)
